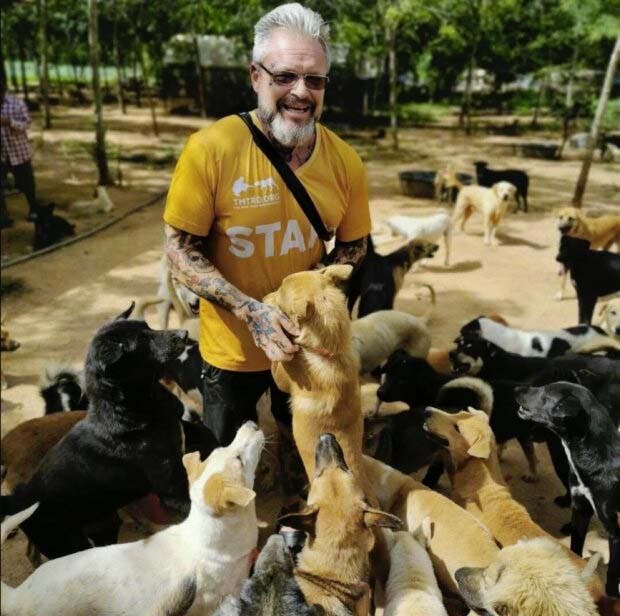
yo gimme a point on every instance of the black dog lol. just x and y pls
(592, 443)
(128, 446)
(63, 390)
(377, 279)
(519, 179)
(594, 273)
(49, 228)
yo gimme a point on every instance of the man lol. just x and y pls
(16, 156)
(234, 230)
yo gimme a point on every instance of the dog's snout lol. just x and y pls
(521, 392)
(428, 413)
(329, 452)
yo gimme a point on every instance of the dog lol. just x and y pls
(412, 588)
(519, 179)
(543, 343)
(610, 315)
(447, 185)
(8, 346)
(333, 566)
(86, 207)
(594, 273)
(377, 279)
(49, 228)
(272, 589)
(592, 444)
(458, 539)
(602, 232)
(376, 336)
(477, 481)
(62, 389)
(492, 203)
(128, 578)
(129, 444)
(429, 228)
(530, 578)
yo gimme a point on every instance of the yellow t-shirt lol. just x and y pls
(225, 189)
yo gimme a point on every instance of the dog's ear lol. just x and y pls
(304, 520)
(108, 354)
(338, 273)
(192, 464)
(303, 308)
(126, 313)
(424, 533)
(376, 517)
(222, 495)
(478, 438)
(501, 609)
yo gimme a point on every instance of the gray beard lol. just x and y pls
(288, 134)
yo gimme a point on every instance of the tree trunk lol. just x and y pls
(44, 78)
(580, 188)
(101, 157)
(22, 67)
(200, 77)
(393, 76)
(149, 96)
(116, 52)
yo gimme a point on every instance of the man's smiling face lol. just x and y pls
(290, 111)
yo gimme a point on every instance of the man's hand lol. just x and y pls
(269, 326)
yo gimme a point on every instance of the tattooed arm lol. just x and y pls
(189, 266)
(350, 253)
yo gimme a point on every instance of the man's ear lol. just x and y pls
(192, 464)
(304, 521)
(338, 273)
(221, 495)
(376, 517)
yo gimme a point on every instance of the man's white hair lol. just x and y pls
(292, 17)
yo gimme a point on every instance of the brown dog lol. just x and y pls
(322, 378)
(334, 567)
(8, 345)
(478, 484)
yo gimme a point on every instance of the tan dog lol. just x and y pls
(478, 484)
(458, 539)
(492, 203)
(531, 578)
(610, 318)
(602, 232)
(8, 345)
(322, 378)
(333, 567)
(377, 335)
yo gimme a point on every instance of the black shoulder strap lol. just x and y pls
(289, 177)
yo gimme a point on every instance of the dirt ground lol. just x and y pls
(67, 294)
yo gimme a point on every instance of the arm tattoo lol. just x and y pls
(189, 265)
(350, 253)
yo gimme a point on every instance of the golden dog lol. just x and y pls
(334, 566)
(478, 484)
(492, 203)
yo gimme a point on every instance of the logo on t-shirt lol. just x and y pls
(259, 194)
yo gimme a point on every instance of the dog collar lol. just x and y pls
(353, 595)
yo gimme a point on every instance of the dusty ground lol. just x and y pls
(69, 293)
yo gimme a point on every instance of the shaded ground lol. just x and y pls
(67, 294)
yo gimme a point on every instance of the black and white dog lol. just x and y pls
(518, 178)
(592, 444)
(594, 273)
(543, 343)
(49, 228)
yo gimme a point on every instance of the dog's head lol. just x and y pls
(530, 578)
(465, 435)
(481, 165)
(505, 192)
(420, 249)
(8, 344)
(569, 219)
(404, 378)
(223, 483)
(337, 511)
(572, 249)
(472, 328)
(610, 314)
(471, 354)
(129, 350)
(50, 228)
(315, 297)
(559, 406)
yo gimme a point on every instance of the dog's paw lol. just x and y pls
(530, 478)
(567, 529)
(563, 501)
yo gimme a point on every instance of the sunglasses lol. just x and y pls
(289, 78)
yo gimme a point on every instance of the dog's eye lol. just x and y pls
(456, 427)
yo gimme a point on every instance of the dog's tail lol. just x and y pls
(143, 303)
(467, 391)
(427, 315)
(62, 389)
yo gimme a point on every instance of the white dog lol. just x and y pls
(492, 203)
(412, 588)
(610, 315)
(102, 203)
(194, 564)
(428, 228)
(377, 335)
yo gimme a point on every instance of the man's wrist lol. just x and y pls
(246, 307)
